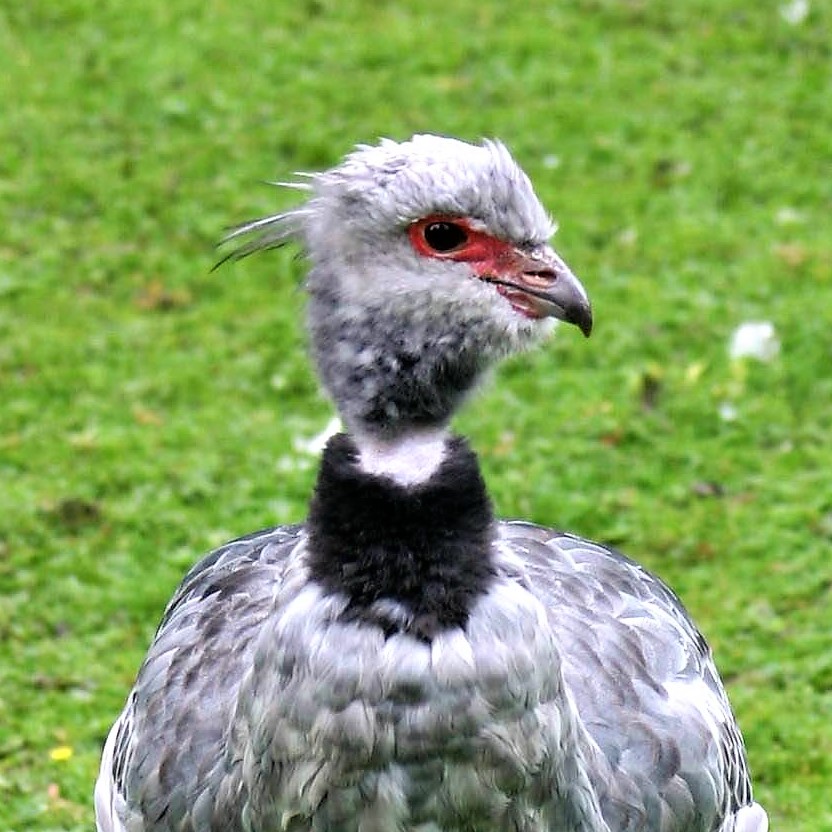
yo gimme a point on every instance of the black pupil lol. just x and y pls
(444, 236)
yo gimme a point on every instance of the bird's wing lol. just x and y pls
(645, 684)
(163, 766)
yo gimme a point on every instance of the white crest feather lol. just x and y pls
(269, 232)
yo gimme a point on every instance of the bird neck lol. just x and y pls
(408, 459)
(410, 556)
(394, 370)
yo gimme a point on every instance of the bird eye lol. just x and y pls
(444, 236)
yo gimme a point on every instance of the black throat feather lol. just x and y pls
(427, 546)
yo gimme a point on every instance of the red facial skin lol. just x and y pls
(492, 260)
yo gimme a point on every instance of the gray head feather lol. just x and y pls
(390, 185)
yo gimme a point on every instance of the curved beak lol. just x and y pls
(541, 285)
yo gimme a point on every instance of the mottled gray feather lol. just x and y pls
(655, 762)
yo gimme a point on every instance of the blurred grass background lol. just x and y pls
(150, 410)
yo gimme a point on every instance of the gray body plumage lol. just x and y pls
(580, 690)
(292, 688)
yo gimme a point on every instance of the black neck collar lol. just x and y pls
(426, 546)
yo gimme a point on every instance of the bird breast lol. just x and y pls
(338, 720)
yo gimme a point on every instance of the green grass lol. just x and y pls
(149, 409)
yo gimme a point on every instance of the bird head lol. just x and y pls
(429, 259)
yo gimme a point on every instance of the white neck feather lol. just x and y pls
(407, 460)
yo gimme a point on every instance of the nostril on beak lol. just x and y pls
(540, 278)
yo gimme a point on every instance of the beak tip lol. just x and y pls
(582, 318)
